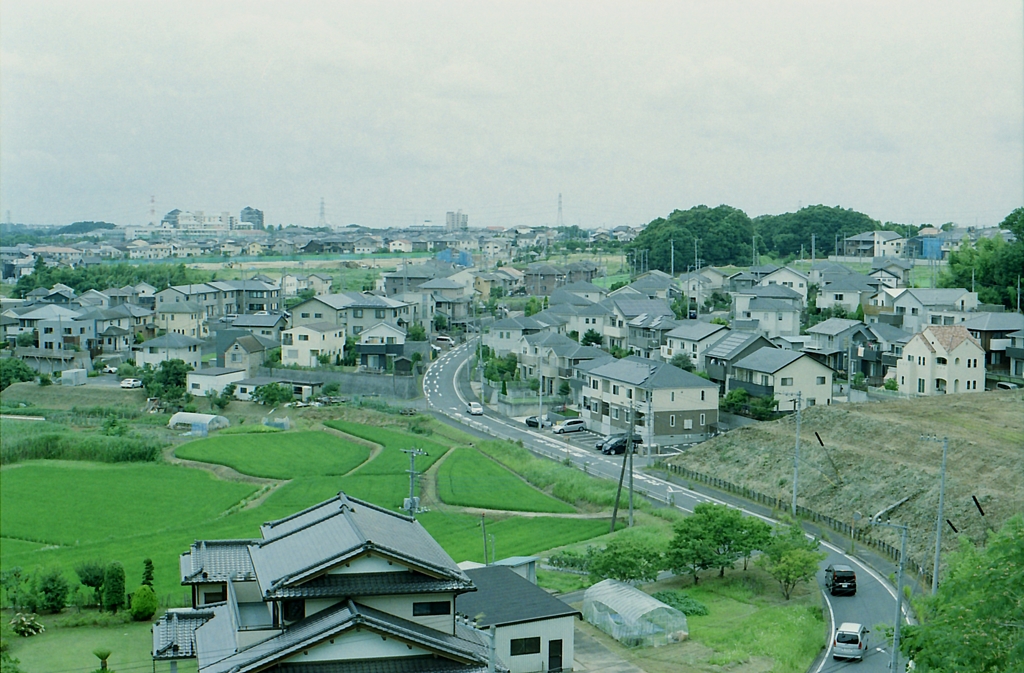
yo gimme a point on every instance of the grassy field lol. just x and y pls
(873, 456)
(279, 455)
(66, 397)
(391, 460)
(470, 479)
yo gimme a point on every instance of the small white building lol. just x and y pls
(692, 337)
(304, 345)
(170, 346)
(941, 359)
(202, 381)
(787, 277)
(534, 631)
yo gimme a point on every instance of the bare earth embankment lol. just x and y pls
(873, 456)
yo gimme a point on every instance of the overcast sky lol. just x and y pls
(396, 112)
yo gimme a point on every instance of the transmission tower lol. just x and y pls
(559, 211)
(322, 220)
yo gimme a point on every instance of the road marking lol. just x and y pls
(832, 629)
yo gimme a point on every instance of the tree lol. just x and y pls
(416, 333)
(592, 338)
(890, 384)
(51, 591)
(991, 265)
(147, 572)
(564, 389)
(25, 340)
(735, 400)
(272, 394)
(11, 580)
(975, 619)
(690, 550)
(683, 361)
(90, 574)
(533, 306)
(144, 603)
(168, 381)
(725, 234)
(791, 558)
(45, 379)
(113, 587)
(13, 370)
(440, 322)
(752, 535)
(628, 558)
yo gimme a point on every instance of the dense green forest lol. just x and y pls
(991, 266)
(103, 276)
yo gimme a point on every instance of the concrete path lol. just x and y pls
(592, 655)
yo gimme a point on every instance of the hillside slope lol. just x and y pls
(877, 451)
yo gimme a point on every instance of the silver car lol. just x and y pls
(850, 641)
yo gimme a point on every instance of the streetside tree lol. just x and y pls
(628, 558)
(790, 557)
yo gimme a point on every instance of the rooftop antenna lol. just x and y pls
(560, 223)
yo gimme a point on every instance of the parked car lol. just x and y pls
(476, 409)
(840, 579)
(1006, 385)
(445, 340)
(850, 641)
(537, 422)
(613, 438)
(108, 369)
(131, 383)
(570, 425)
(618, 447)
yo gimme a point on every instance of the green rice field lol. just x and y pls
(471, 479)
(279, 455)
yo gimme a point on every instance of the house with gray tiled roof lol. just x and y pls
(171, 346)
(786, 375)
(664, 404)
(692, 337)
(992, 331)
(344, 585)
(720, 357)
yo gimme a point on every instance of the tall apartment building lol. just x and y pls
(456, 221)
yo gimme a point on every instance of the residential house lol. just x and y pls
(772, 310)
(992, 331)
(171, 346)
(551, 358)
(585, 290)
(448, 298)
(791, 376)
(671, 406)
(305, 345)
(1015, 352)
(834, 342)
(203, 382)
(878, 358)
(400, 245)
(720, 357)
(344, 585)
(292, 284)
(891, 271)
(269, 325)
(504, 335)
(917, 307)
(874, 244)
(379, 344)
(692, 337)
(849, 292)
(941, 359)
(582, 271)
(533, 630)
(186, 318)
(321, 283)
(626, 307)
(648, 333)
(249, 353)
(787, 277)
(355, 311)
(541, 279)
(656, 284)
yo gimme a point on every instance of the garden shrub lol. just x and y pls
(144, 603)
(51, 591)
(26, 625)
(679, 600)
(113, 587)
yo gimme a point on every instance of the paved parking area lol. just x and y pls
(592, 655)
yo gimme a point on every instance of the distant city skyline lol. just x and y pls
(396, 114)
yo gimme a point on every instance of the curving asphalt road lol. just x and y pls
(874, 603)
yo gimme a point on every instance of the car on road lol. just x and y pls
(619, 446)
(570, 425)
(131, 383)
(108, 369)
(605, 441)
(476, 409)
(850, 641)
(840, 579)
(444, 340)
(537, 422)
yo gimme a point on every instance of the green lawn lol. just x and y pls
(469, 479)
(391, 460)
(279, 455)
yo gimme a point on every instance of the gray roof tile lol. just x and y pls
(505, 597)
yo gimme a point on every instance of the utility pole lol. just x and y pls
(895, 661)
(942, 496)
(796, 452)
(412, 505)
(672, 242)
(696, 276)
(483, 528)
(812, 251)
(629, 452)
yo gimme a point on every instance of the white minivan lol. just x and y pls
(850, 641)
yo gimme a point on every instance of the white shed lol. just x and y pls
(205, 422)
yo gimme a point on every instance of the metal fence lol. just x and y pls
(842, 527)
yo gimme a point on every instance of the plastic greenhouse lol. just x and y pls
(632, 617)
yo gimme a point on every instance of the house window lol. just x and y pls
(914, 311)
(702, 393)
(303, 337)
(941, 361)
(520, 646)
(379, 313)
(672, 421)
(357, 313)
(764, 380)
(703, 419)
(615, 413)
(920, 385)
(820, 380)
(318, 315)
(811, 401)
(195, 386)
(304, 315)
(431, 608)
(629, 393)
(787, 380)
(293, 610)
(615, 389)
(687, 424)
(674, 396)
(837, 297)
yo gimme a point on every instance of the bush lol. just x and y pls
(13, 370)
(26, 625)
(45, 380)
(890, 384)
(331, 389)
(67, 446)
(147, 572)
(144, 603)
(51, 590)
(688, 605)
(113, 587)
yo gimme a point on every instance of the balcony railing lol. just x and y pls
(754, 389)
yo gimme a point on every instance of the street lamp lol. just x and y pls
(895, 662)
(942, 494)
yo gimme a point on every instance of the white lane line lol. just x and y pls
(831, 630)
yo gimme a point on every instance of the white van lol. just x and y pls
(850, 641)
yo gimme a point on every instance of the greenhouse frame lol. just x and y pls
(632, 617)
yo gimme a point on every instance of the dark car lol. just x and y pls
(605, 441)
(618, 446)
(840, 579)
(537, 422)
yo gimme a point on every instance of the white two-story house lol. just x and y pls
(940, 360)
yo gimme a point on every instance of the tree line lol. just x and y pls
(103, 276)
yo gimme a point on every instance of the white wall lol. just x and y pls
(560, 628)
